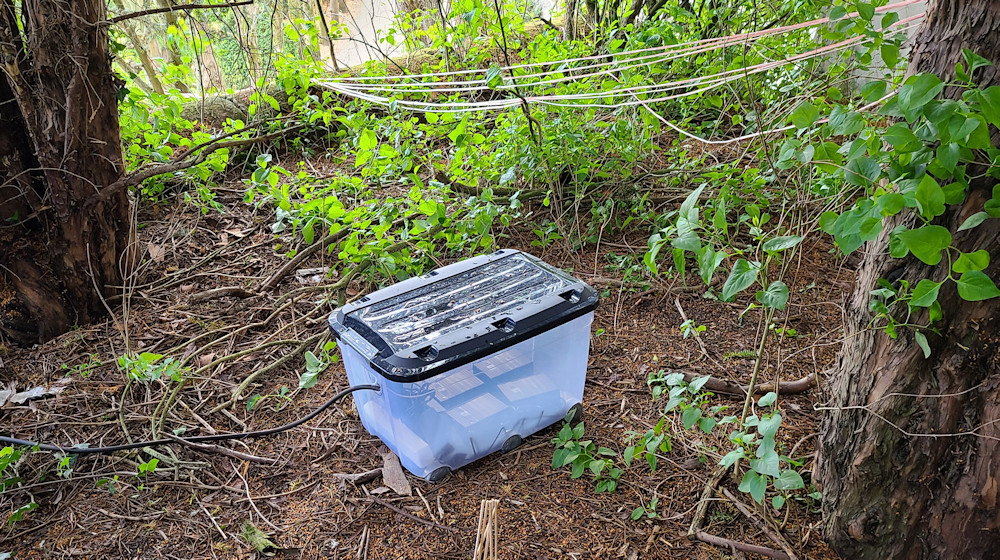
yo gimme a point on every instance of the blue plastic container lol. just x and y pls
(471, 358)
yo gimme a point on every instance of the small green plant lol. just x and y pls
(547, 235)
(582, 455)
(148, 367)
(282, 396)
(10, 456)
(649, 511)
(756, 441)
(689, 328)
(689, 399)
(84, 369)
(18, 514)
(110, 484)
(317, 365)
(645, 446)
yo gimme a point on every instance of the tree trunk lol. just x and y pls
(61, 145)
(931, 492)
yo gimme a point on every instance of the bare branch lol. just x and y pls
(184, 8)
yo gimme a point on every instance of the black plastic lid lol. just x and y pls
(457, 314)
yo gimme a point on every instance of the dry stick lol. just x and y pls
(253, 377)
(706, 496)
(785, 387)
(409, 515)
(182, 8)
(360, 478)
(697, 338)
(301, 256)
(223, 451)
(729, 544)
(228, 291)
(776, 537)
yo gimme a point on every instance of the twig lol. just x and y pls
(184, 8)
(222, 451)
(137, 519)
(246, 486)
(744, 547)
(360, 478)
(228, 291)
(697, 337)
(706, 496)
(252, 377)
(785, 387)
(409, 515)
(138, 177)
(776, 537)
(301, 256)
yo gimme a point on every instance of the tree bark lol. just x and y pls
(61, 145)
(930, 492)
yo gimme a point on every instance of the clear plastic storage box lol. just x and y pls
(470, 358)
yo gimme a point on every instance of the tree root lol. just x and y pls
(706, 496)
(785, 387)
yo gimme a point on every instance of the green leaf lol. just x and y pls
(775, 296)
(805, 115)
(897, 248)
(696, 384)
(872, 91)
(862, 171)
(768, 464)
(890, 54)
(755, 485)
(768, 399)
(742, 277)
(777, 502)
(948, 155)
(782, 243)
(989, 100)
(732, 457)
(921, 341)
(930, 197)
(976, 286)
(927, 242)
(902, 138)
(789, 480)
(865, 10)
(968, 262)
(493, 78)
(690, 416)
(974, 61)
(837, 12)
(926, 293)
(637, 513)
(769, 425)
(973, 221)
(917, 92)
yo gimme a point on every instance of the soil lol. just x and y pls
(198, 504)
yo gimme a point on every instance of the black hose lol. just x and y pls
(196, 439)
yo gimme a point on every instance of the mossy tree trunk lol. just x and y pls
(60, 145)
(930, 492)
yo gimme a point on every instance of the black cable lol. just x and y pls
(196, 439)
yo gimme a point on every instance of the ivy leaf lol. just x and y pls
(768, 399)
(862, 171)
(973, 221)
(837, 12)
(897, 248)
(921, 341)
(989, 99)
(742, 277)
(789, 480)
(493, 78)
(890, 53)
(976, 286)
(917, 92)
(732, 457)
(768, 464)
(927, 242)
(775, 296)
(930, 197)
(755, 485)
(968, 262)
(926, 293)
(947, 156)
(902, 138)
(782, 243)
(805, 115)
(690, 416)
(873, 91)
(865, 10)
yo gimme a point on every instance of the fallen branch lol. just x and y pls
(776, 537)
(273, 280)
(785, 387)
(360, 478)
(706, 496)
(204, 150)
(409, 515)
(228, 291)
(729, 544)
(182, 8)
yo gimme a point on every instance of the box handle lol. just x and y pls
(506, 324)
(427, 353)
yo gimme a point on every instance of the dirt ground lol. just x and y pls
(197, 504)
